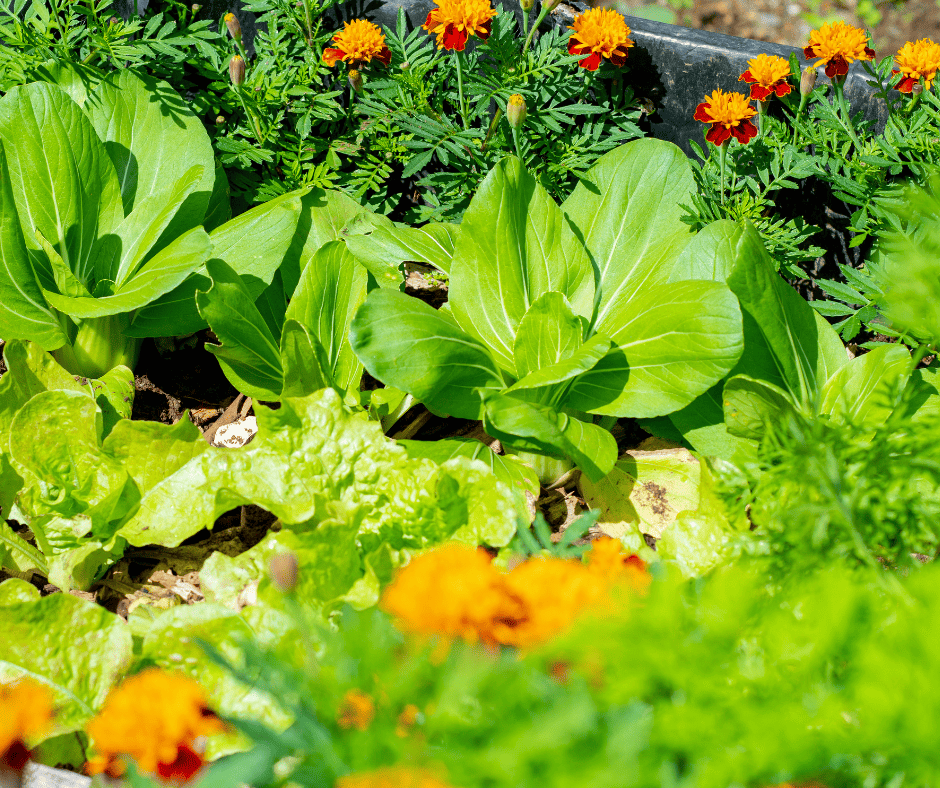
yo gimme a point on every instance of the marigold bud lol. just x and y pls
(233, 25)
(219, 120)
(527, 5)
(195, 8)
(515, 110)
(917, 88)
(550, 5)
(807, 81)
(284, 572)
(236, 70)
(355, 80)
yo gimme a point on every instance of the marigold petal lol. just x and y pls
(384, 57)
(703, 113)
(759, 92)
(906, 85)
(591, 62)
(718, 134)
(783, 88)
(746, 77)
(484, 30)
(808, 52)
(186, 765)
(744, 132)
(454, 39)
(330, 56)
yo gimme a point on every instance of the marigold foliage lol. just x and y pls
(391, 777)
(767, 75)
(729, 115)
(917, 60)
(600, 32)
(155, 719)
(454, 21)
(838, 45)
(456, 592)
(358, 44)
(26, 713)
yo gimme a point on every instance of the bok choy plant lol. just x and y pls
(558, 314)
(794, 362)
(110, 206)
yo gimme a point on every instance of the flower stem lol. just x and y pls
(515, 140)
(463, 106)
(538, 22)
(256, 127)
(761, 112)
(845, 115)
(493, 125)
(722, 152)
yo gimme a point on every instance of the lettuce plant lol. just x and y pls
(87, 485)
(108, 214)
(559, 313)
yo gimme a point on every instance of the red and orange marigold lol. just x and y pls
(454, 21)
(838, 45)
(155, 719)
(729, 115)
(767, 76)
(600, 33)
(358, 44)
(25, 712)
(917, 60)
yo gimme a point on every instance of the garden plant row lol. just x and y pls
(766, 557)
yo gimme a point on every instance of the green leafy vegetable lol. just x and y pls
(557, 312)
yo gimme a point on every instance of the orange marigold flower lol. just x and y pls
(917, 60)
(357, 44)
(356, 711)
(554, 593)
(454, 21)
(455, 591)
(154, 718)
(608, 559)
(838, 45)
(729, 114)
(768, 73)
(25, 713)
(391, 777)
(452, 591)
(599, 32)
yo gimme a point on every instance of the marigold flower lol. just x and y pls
(452, 591)
(554, 592)
(455, 591)
(358, 44)
(599, 32)
(515, 110)
(356, 711)
(917, 60)
(26, 713)
(153, 718)
(729, 114)
(391, 777)
(769, 74)
(406, 720)
(607, 559)
(838, 45)
(454, 21)
(233, 25)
